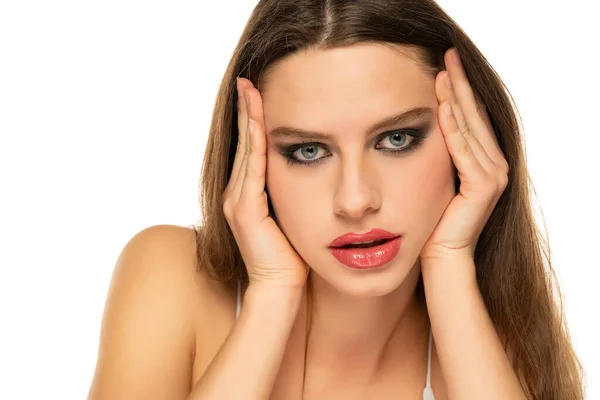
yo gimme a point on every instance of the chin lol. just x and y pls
(374, 282)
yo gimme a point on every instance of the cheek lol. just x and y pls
(428, 189)
(416, 202)
(291, 194)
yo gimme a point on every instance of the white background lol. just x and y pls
(104, 112)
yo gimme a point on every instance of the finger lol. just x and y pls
(473, 108)
(462, 155)
(239, 183)
(243, 115)
(242, 150)
(242, 134)
(469, 132)
(254, 182)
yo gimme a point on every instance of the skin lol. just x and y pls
(338, 92)
(355, 187)
(368, 338)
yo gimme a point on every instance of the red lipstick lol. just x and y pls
(371, 249)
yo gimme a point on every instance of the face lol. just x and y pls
(398, 176)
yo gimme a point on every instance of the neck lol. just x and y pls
(366, 335)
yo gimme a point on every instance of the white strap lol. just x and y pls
(428, 391)
(238, 306)
(428, 394)
(429, 359)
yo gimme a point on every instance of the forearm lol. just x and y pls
(247, 364)
(473, 361)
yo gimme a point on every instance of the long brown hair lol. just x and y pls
(515, 273)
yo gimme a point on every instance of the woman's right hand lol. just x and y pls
(269, 257)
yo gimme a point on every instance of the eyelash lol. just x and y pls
(417, 136)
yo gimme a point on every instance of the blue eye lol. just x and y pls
(308, 151)
(398, 139)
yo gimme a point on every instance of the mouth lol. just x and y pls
(368, 254)
(370, 238)
(371, 243)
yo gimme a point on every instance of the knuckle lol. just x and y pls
(464, 130)
(463, 148)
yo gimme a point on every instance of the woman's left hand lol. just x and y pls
(482, 168)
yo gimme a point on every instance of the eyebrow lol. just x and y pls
(407, 116)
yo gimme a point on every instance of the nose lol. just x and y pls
(356, 194)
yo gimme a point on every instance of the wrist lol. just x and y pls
(266, 295)
(449, 273)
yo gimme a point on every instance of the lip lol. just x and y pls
(368, 257)
(372, 234)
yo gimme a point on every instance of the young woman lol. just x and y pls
(367, 230)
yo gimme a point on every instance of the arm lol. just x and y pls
(248, 362)
(147, 336)
(471, 355)
(473, 361)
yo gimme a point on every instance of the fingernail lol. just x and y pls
(250, 125)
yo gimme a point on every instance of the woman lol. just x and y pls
(365, 193)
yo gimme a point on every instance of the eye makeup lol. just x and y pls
(397, 146)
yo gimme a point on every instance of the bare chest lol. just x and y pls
(298, 379)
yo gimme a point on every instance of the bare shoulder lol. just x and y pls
(156, 318)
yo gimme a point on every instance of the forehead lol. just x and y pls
(345, 88)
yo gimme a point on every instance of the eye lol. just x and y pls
(398, 140)
(307, 153)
